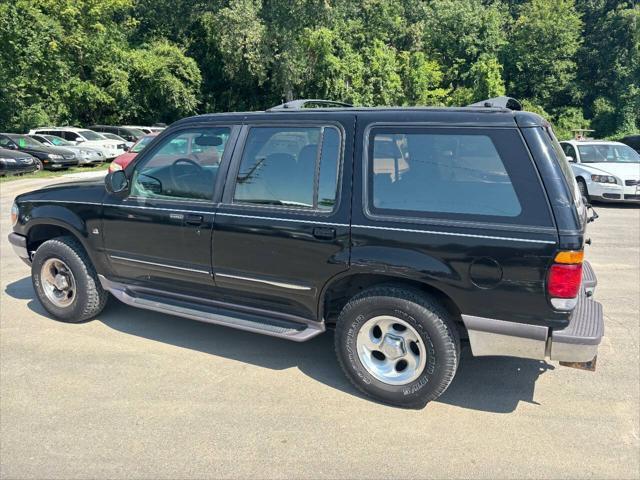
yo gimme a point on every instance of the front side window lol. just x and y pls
(290, 166)
(184, 166)
(458, 174)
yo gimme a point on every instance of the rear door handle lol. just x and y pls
(191, 219)
(324, 233)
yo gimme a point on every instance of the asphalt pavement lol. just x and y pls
(137, 394)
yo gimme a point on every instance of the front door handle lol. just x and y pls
(324, 233)
(191, 219)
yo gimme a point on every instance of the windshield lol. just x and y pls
(90, 135)
(113, 136)
(57, 140)
(598, 153)
(25, 141)
(143, 142)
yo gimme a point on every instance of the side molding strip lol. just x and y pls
(290, 286)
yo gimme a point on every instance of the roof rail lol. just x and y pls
(499, 102)
(299, 104)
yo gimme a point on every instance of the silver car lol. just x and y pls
(85, 155)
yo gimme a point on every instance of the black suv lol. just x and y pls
(405, 229)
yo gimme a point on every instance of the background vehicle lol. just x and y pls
(16, 163)
(121, 162)
(52, 158)
(154, 129)
(605, 171)
(84, 155)
(633, 141)
(118, 138)
(88, 138)
(127, 133)
(288, 221)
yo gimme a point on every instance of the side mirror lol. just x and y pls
(116, 182)
(79, 140)
(570, 159)
(12, 146)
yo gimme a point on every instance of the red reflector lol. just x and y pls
(564, 281)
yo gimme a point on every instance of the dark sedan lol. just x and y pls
(17, 163)
(52, 158)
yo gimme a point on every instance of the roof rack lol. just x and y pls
(499, 102)
(303, 103)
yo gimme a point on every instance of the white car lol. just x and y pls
(146, 130)
(605, 171)
(87, 138)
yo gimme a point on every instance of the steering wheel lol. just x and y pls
(178, 179)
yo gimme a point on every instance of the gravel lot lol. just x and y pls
(135, 394)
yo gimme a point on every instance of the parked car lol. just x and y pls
(52, 158)
(127, 133)
(121, 162)
(289, 221)
(633, 141)
(85, 155)
(113, 136)
(88, 138)
(605, 171)
(17, 163)
(147, 130)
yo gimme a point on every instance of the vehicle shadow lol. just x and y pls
(491, 384)
(616, 205)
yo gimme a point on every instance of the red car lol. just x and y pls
(121, 161)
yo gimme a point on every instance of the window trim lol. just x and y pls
(158, 141)
(425, 219)
(236, 161)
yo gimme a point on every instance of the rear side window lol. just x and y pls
(459, 174)
(290, 166)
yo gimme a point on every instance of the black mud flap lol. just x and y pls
(590, 366)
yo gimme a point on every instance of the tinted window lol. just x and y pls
(290, 166)
(6, 142)
(462, 174)
(184, 166)
(568, 150)
(71, 136)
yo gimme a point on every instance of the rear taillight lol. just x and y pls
(565, 279)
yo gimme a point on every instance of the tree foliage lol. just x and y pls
(141, 61)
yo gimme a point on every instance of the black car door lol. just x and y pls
(282, 230)
(158, 234)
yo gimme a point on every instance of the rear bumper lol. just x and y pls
(19, 245)
(578, 342)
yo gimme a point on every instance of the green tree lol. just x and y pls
(486, 78)
(541, 54)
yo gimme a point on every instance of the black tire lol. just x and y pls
(89, 299)
(39, 164)
(582, 186)
(428, 318)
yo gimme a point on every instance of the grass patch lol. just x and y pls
(53, 173)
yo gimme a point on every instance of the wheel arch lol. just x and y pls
(42, 229)
(337, 292)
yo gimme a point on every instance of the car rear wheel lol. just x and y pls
(66, 282)
(397, 346)
(39, 165)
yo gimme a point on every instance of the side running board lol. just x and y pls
(211, 313)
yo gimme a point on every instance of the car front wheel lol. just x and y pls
(397, 346)
(66, 282)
